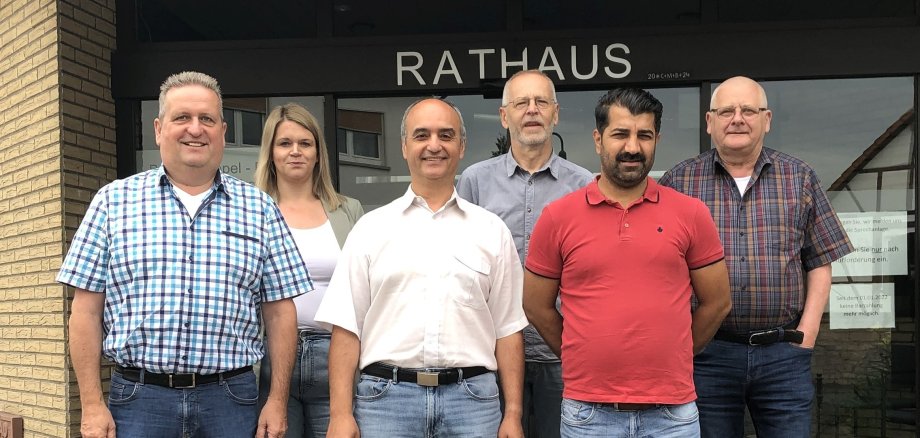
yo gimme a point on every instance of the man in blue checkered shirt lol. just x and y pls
(175, 269)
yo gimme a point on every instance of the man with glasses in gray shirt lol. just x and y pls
(516, 186)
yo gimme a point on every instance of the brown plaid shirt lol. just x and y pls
(780, 228)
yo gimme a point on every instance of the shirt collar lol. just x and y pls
(511, 165)
(765, 158)
(594, 196)
(220, 180)
(410, 199)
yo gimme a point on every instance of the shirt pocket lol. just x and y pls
(243, 255)
(471, 277)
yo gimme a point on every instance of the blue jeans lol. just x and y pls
(308, 404)
(774, 381)
(542, 399)
(222, 409)
(388, 409)
(597, 420)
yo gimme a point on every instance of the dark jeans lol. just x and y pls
(774, 382)
(542, 394)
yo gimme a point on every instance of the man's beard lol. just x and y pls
(626, 179)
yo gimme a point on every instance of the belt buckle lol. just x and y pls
(425, 378)
(751, 339)
(174, 386)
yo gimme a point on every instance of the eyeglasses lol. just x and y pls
(729, 111)
(522, 103)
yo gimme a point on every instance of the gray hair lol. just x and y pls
(402, 127)
(187, 78)
(506, 97)
(761, 91)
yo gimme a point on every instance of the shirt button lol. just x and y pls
(189, 290)
(741, 233)
(742, 259)
(184, 357)
(186, 324)
(529, 209)
(743, 287)
(527, 236)
(626, 225)
(530, 183)
(190, 258)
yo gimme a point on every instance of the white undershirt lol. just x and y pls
(742, 183)
(320, 252)
(191, 202)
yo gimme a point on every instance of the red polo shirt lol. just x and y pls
(625, 286)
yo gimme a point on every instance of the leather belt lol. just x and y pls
(186, 380)
(423, 376)
(762, 337)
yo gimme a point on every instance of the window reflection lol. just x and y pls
(244, 118)
(485, 135)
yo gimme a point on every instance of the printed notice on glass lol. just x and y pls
(880, 239)
(865, 305)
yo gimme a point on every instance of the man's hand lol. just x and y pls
(272, 420)
(510, 428)
(343, 427)
(811, 336)
(97, 422)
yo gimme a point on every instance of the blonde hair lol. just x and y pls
(266, 176)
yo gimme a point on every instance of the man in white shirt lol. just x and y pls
(426, 301)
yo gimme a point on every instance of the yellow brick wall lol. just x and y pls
(57, 147)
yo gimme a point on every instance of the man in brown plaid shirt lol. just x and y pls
(780, 235)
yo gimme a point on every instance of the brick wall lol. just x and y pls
(56, 148)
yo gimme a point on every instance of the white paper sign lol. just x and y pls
(864, 305)
(880, 239)
(239, 162)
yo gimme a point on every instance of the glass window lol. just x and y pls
(230, 120)
(360, 137)
(173, 20)
(581, 14)
(411, 17)
(794, 10)
(858, 134)
(251, 127)
(244, 118)
(378, 186)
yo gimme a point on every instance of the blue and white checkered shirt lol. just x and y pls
(183, 291)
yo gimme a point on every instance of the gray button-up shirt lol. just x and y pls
(518, 197)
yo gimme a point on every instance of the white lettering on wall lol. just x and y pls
(548, 54)
(593, 63)
(505, 63)
(446, 58)
(482, 60)
(400, 67)
(615, 64)
(627, 66)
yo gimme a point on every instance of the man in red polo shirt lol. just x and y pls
(625, 255)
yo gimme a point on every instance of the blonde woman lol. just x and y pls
(293, 168)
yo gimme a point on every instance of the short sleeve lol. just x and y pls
(284, 273)
(86, 263)
(705, 245)
(544, 257)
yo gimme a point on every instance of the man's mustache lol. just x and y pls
(625, 156)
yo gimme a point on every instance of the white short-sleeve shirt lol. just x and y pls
(427, 289)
